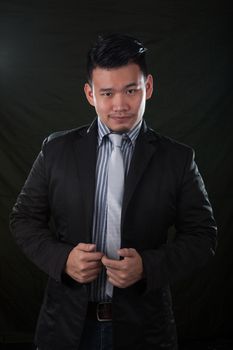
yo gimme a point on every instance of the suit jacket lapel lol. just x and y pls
(85, 149)
(145, 148)
(86, 155)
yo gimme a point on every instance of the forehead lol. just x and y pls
(117, 77)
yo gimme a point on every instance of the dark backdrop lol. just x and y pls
(43, 49)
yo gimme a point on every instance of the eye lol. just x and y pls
(107, 94)
(131, 91)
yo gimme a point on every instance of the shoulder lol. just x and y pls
(60, 136)
(176, 157)
(168, 144)
(62, 142)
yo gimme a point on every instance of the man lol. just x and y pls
(109, 259)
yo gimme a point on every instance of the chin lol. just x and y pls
(120, 128)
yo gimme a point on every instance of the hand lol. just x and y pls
(84, 263)
(123, 273)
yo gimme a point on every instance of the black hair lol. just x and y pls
(114, 51)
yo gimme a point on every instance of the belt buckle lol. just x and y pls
(99, 311)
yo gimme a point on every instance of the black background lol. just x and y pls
(43, 47)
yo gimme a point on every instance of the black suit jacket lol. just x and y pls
(163, 188)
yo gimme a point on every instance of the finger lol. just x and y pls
(127, 252)
(87, 252)
(112, 277)
(91, 265)
(91, 272)
(120, 281)
(84, 276)
(95, 256)
(111, 263)
(86, 247)
(116, 281)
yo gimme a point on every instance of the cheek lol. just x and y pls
(102, 106)
(139, 104)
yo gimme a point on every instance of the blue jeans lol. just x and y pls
(96, 336)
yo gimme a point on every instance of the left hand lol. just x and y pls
(123, 273)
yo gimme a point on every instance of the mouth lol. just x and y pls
(120, 117)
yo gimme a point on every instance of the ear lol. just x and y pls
(89, 94)
(149, 86)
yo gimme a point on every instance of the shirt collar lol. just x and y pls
(103, 130)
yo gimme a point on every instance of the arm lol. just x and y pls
(196, 232)
(29, 223)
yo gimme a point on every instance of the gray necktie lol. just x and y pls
(115, 191)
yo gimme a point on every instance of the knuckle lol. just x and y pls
(79, 246)
(125, 265)
(82, 267)
(123, 277)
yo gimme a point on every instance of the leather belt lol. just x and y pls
(100, 311)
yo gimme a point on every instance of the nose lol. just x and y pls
(120, 103)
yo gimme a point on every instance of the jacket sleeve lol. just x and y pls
(29, 223)
(196, 233)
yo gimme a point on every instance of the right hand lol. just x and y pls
(84, 263)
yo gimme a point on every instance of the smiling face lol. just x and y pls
(119, 95)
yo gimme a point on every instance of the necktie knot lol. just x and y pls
(116, 139)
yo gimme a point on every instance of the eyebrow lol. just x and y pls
(125, 87)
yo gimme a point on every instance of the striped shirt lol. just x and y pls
(99, 230)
